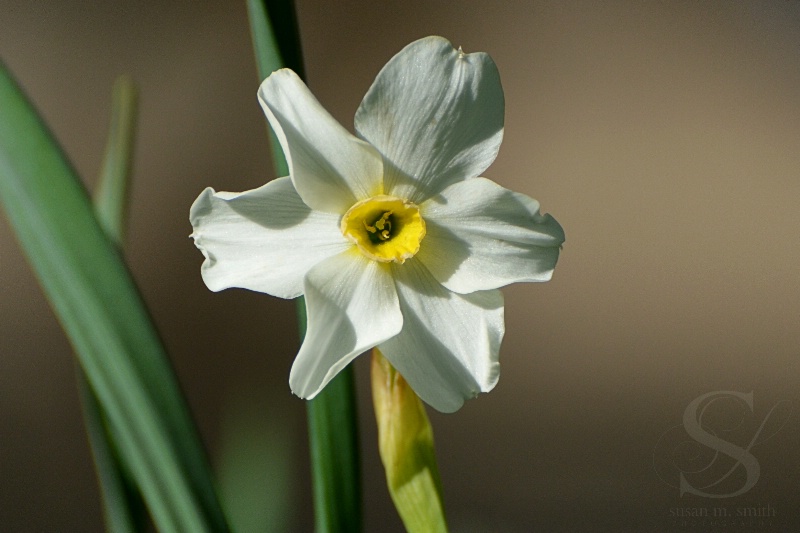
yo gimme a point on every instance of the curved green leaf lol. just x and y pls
(105, 319)
(111, 197)
(123, 508)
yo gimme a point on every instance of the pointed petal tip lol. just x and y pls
(430, 78)
(200, 206)
(299, 390)
(455, 404)
(352, 307)
(264, 239)
(274, 77)
(330, 168)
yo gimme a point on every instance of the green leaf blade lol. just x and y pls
(99, 307)
(123, 509)
(111, 197)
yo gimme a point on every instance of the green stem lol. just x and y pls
(333, 439)
(332, 416)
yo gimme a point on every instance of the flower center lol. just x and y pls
(384, 228)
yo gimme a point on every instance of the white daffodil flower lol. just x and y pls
(390, 236)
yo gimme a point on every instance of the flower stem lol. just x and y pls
(332, 419)
(333, 442)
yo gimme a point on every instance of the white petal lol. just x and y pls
(264, 240)
(481, 236)
(436, 115)
(352, 306)
(331, 169)
(449, 346)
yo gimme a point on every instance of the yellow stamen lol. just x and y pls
(384, 228)
(380, 224)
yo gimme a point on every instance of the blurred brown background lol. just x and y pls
(664, 136)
